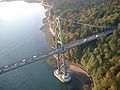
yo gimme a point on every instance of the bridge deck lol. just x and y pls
(39, 57)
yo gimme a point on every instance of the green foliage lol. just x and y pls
(103, 64)
(103, 61)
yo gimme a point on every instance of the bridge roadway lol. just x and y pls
(41, 56)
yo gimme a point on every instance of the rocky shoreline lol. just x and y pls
(72, 67)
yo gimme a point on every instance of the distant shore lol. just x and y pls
(29, 1)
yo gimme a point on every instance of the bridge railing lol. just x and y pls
(42, 56)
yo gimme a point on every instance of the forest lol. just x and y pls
(99, 58)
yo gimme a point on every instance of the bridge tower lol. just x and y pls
(61, 72)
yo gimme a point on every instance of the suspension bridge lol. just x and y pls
(61, 72)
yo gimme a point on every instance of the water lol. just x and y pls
(21, 38)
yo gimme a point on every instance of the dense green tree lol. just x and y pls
(101, 61)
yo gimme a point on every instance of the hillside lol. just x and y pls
(99, 58)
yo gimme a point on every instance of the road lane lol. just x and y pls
(39, 57)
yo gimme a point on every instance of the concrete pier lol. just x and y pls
(63, 78)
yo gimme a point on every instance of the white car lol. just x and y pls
(23, 60)
(34, 56)
(6, 66)
(53, 47)
(52, 51)
(85, 40)
(75, 44)
(91, 36)
(16, 64)
(96, 35)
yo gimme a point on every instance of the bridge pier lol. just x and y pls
(62, 77)
(61, 73)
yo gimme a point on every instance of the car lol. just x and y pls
(52, 51)
(85, 40)
(0, 70)
(15, 64)
(23, 60)
(53, 47)
(6, 66)
(75, 44)
(34, 56)
(96, 35)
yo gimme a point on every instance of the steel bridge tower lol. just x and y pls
(61, 72)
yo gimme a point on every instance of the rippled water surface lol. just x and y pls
(21, 38)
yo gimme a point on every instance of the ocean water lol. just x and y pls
(20, 38)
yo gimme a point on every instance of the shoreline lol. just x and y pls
(76, 72)
(80, 73)
(73, 67)
(48, 35)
